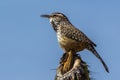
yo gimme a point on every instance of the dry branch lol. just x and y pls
(72, 67)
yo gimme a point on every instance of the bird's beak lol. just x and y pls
(45, 16)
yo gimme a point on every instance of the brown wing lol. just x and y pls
(76, 34)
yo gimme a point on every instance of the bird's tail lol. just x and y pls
(92, 49)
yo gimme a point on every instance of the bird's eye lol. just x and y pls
(54, 15)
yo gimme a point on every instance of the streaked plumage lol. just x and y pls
(71, 38)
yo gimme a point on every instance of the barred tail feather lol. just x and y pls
(92, 49)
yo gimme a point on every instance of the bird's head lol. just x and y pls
(56, 17)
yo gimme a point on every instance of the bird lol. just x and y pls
(71, 38)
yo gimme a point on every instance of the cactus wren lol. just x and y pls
(71, 38)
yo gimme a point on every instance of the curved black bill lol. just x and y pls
(45, 16)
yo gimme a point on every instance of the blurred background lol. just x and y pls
(28, 46)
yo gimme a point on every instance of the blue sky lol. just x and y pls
(28, 46)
